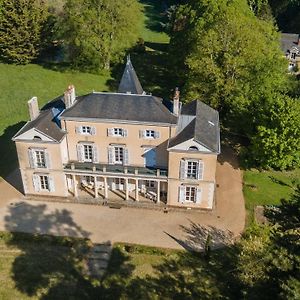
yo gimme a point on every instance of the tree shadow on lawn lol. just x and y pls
(8, 153)
(155, 13)
(48, 267)
(189, 276)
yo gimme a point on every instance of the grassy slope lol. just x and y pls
(268, 187)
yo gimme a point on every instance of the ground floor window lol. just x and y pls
(43, 182)
(150, 184)
(190, 193)
(119, 181)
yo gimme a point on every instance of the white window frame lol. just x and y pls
(149, 134)
(112, 153)
(86, 130)
(190, 194)
(184, 166)
(117, 132)
(39, 158)
(43, 183)
(119, 155)
(191, 171)
(187, 196)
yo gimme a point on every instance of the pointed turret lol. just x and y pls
(130, 82)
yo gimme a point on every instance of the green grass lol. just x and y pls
(149, 27)
(268, 187)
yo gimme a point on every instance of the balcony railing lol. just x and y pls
(116, 169)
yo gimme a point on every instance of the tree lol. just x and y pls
(99, 31)
(277, 142)
(269, 257)
(21, 24)
(230, 59)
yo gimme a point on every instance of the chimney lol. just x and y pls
(176, 102)
(33, 107)
(69, 96)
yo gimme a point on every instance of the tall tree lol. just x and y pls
(99, 31)
(230, 58)
(277, 141)
(21, 24)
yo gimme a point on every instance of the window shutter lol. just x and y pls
(95, 154)
(110, 131)
(125, 132)
(200, 170)
(51, 184)
(31, 158)
(36, 182)
(181, 198)
(126, 157)
(78, 129)
(182, 169)
(47, 159)
(93, 130)
(142, 133)
(156, 134)
(198, 195)
(111, 155)
(80, 152)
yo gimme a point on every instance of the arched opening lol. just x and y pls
(193, 148)
(36, 137)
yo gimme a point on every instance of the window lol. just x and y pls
(88, 153)
(150, 184)
(193, 148)
(86, 130)
(119, 181)
(44, 182)
(293, 56)
(118, 132)
(40, 158)
(149, 134)
(190, 193)
(191, 171)
(119, 155)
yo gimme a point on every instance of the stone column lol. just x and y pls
(75, 186)
(158, 192)
(105, 188)
(136, 190)
(96, 186)
(126, 189)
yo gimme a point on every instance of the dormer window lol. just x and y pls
(193, 148)
(36, 137)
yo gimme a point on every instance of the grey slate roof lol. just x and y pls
(289, 40)
(116, 106)
(47, 122)
(204, 128)
(130, 82)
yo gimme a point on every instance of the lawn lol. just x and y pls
(268, 187)
(44, 267)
